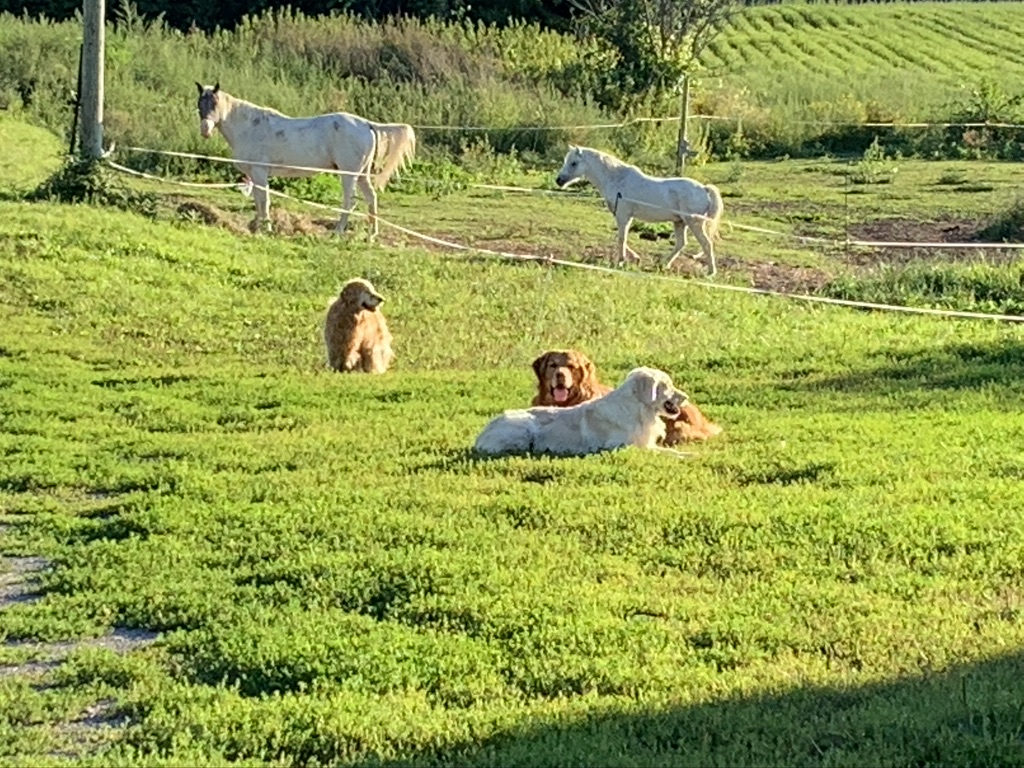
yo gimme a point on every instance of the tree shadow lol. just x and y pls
(968, 715)
(952, 367)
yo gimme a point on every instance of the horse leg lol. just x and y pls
(680, 229)
(347, 195)
(697, 227)
(261, 197)
(621, 247)
(370, 196)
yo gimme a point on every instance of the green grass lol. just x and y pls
(337, 579)
(778, 71)
(898, 61)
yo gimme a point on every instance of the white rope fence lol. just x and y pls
(548, 260)
(834, 242)
(715, 118)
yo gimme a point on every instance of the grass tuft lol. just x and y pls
(84, 180)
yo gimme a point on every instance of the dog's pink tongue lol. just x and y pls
(561, 394)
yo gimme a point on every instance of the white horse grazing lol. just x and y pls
(278, 145)
(632, 194)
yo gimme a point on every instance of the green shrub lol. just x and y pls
(83, 180)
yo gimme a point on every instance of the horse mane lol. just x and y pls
(610, 161)
(247, 108)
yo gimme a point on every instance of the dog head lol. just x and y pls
(654, 389)
(691, 425)
(359, 294)
(565, 377)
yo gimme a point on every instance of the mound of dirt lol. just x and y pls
(290, 224)
(193, 210)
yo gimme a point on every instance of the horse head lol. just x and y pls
(208, 108)
(572, 168)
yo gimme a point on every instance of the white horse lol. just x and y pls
(632, 194)
(278, 145)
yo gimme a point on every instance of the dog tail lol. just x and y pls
(395, 146)
(512, 432)
(715, 210)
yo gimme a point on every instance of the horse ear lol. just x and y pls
(216, 87)
(199, 87)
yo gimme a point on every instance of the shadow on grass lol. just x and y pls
(468, 460)
(970, 715)
(957, 366)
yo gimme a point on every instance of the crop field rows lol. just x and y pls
(926, 52)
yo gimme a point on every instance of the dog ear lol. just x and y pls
(538, 364)
(645, 387)
(588, 379)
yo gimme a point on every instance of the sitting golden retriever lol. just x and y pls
(567, 377)
(631, 414)
(355, 332)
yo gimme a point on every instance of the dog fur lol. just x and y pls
(566, 377)
(631, 414)
(355, 332)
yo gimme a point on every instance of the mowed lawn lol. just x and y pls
(335, 578)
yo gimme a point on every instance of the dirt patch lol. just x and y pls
(95, 727)
(953, 231)
(909, 230)
(210, 215)
(291, 224)
(786, 278)
(285, 223)
(18, 579)
(45, 657)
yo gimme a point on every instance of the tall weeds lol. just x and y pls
(518, 82)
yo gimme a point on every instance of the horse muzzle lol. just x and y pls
(562, 180)
(206, 128)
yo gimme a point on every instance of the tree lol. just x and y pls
(655, 44)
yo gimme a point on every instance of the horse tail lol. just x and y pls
(395, 145)
(715, 210)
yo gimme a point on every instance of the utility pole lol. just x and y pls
(683, 144)
(93, 28)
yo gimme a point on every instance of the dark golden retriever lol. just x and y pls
(566, 377)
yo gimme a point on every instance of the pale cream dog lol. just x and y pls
(355, 332)
(628, 415)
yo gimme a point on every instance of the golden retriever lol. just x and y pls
(566, 377)
(631, 414)
(355, 332)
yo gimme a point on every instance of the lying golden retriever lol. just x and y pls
(631, 414)
(566, 377)
(355, 332)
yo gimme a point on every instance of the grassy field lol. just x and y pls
(335, 578)
(896, 61)
(778, 72)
